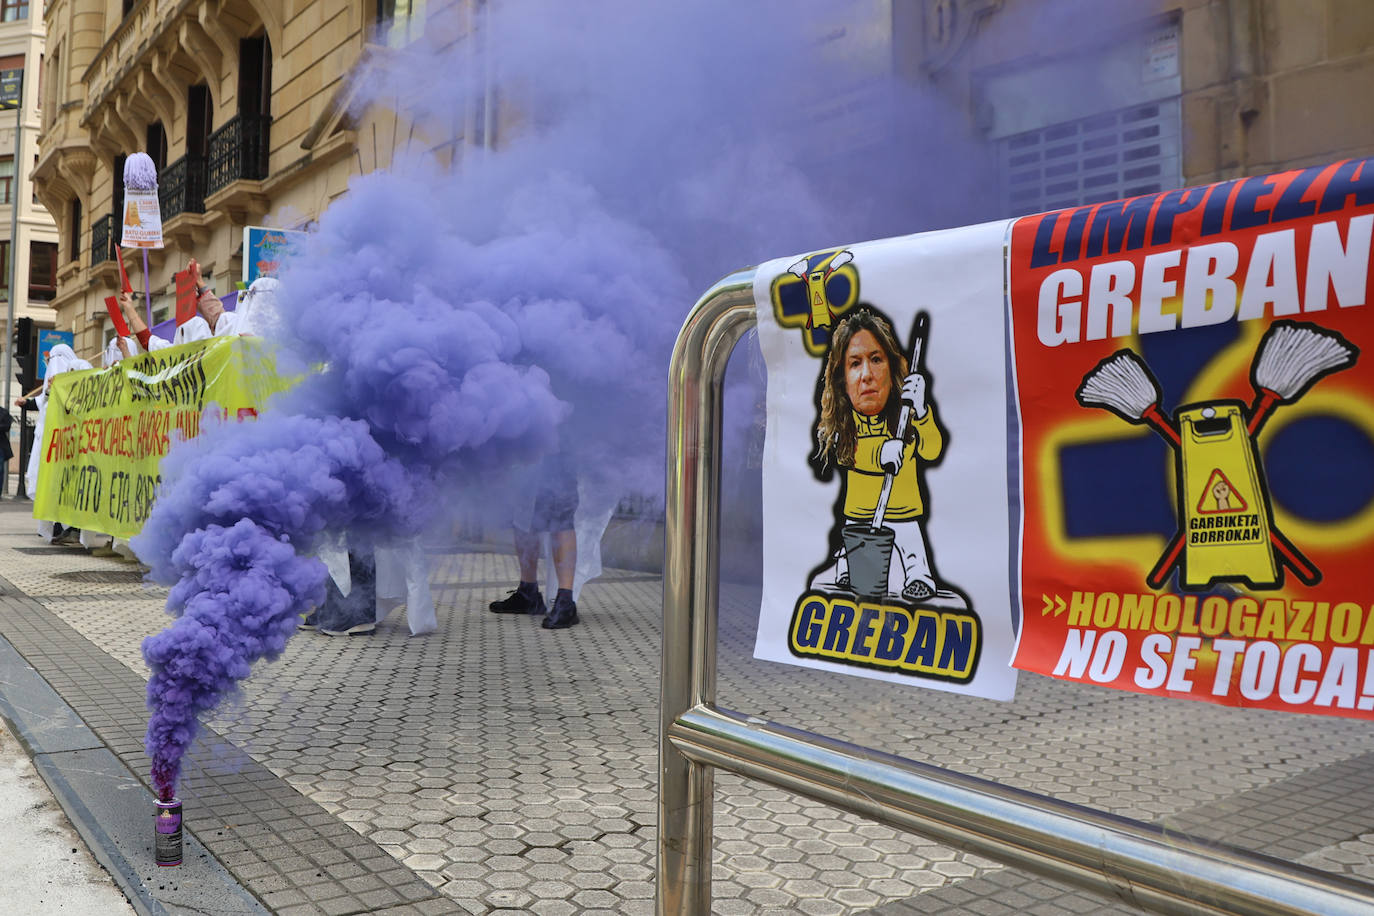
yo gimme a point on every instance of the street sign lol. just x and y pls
(47, 339)
(265, 248)
(11, 87)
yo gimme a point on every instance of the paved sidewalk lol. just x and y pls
(43, 862)
(497, 767)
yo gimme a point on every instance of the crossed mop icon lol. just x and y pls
(1227, 531)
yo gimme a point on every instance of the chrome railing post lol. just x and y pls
(691, 583)
(1146, 865)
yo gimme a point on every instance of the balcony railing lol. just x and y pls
(238, 150)
(181, 187)
(102, 239)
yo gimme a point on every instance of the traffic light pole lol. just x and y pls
(14, 258)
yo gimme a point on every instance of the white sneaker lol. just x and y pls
(361, 629)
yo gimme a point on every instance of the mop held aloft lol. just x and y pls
(140, 175)
(1123, 385)
(1291, 357)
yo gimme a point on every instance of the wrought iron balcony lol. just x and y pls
(239, 150)
(102, 239)
(181, 187)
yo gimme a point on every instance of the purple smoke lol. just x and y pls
(472, 319)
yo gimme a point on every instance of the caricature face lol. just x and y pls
(1221, 490)
(867, 374)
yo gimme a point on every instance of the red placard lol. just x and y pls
(123, 275)
(116, 316)
(1194, 372)
(186, 297)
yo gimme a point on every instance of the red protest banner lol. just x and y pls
(116, 316)
(186, 297)
(1194, 388)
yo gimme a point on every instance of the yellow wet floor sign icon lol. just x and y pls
(1227, 519)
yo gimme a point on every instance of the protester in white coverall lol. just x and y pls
(115, 350)
(396, 574)
(210, 321)
(61, 358)
(257, 309)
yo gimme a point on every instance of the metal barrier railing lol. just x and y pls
(1141, 864)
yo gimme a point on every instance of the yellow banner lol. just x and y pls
(106, 430)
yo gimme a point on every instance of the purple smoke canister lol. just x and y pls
(167, 839)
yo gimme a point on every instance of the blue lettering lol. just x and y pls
(890, 642)
(1112, 221)
(1214, 212)
(1042, 255)
(923, 642)
(808, 627)
(1244, 215)
(1351, 178)
(1290, 204)
(837, 628)
(863, 633)
(958, 645)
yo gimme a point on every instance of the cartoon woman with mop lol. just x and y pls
(877, 424)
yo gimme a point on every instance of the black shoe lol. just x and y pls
(562, 615)
(521, 601)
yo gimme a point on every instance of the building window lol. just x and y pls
(11, 80)
(14, 10)
(1108, 156)
(399, 22)
(4, 269)
(199, 109)
(255, 76)
(42, 270)
(54, 75)
(74, 236)
(6, 179)
(156, 145)
(117, 199)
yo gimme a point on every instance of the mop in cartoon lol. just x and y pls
(821, 313)
(877, 424)
(1228, 532)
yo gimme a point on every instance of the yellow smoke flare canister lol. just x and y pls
(1224, 505)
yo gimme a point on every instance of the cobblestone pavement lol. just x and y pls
(497, 767)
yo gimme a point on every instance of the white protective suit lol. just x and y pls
(61, 358)
(257, 309)
(229, 324)
(402, 578)
(94, 540)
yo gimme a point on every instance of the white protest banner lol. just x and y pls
(142, 219)
(886, 530)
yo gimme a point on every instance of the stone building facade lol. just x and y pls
(1079, 101)
(34, 254)
(246, 107)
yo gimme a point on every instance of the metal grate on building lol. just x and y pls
(1118, 154)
